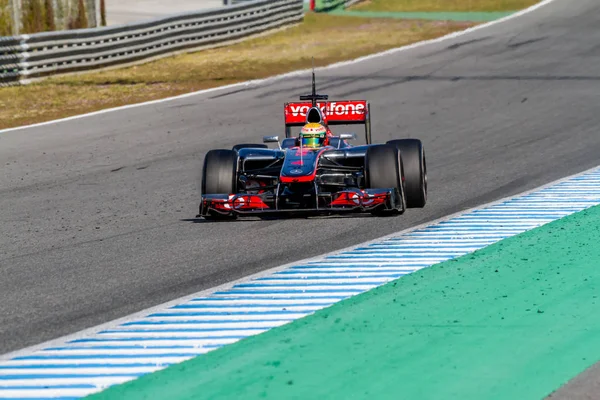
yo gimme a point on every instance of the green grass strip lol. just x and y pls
(329, 5)
(513, 321)
(437, 16)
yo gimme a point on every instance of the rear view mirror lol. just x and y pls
(347, 136)
(270, 139)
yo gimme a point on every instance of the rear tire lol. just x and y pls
(249, 146)
(219, 176)
(383, 169)
(415, 171)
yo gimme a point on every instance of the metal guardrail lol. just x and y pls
(42, 54)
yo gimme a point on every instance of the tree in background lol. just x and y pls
(102, 13)
(38, 16)
(80, 21)
(60, 14)
(5, 18)
(50, 24)
(48, 15)
(32, 16)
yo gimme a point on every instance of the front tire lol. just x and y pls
(219, 176)
(415, 171)
(383, 169)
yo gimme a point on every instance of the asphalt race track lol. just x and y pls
(97, 214)
(129, 11)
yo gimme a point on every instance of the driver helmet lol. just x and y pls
(313, 135)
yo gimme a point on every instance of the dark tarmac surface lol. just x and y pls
(97, 214)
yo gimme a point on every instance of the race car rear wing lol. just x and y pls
(347, 112)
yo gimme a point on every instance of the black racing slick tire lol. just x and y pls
(383, 169)
(415, 171)
(249, 146)
(219, 175)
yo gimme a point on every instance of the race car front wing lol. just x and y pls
(350, 200)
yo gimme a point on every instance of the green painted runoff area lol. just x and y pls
(334, 7)
(437, 16)
(515, 320)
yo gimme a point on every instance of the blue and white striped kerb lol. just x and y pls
(89, 364)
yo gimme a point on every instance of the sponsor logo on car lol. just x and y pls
(329, 109)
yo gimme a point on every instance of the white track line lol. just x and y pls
(313, 261)
(88, 361)
(293, 73)
(173, 334)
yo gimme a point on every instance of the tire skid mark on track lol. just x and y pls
(177, 332)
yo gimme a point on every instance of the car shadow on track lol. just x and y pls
(199, 220)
